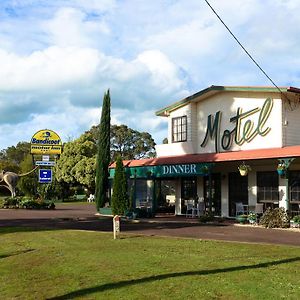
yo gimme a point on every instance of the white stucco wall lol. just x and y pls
(291, 125)
(228, 103)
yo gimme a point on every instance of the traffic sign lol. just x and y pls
(45, 175)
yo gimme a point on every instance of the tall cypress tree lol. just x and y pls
(103, 154)
(120, 199)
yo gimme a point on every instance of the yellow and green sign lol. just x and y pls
(46, 142)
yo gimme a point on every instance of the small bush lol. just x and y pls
(206, 218)
(25, 202)
(296, 219)
(275, 218)
(11, 202)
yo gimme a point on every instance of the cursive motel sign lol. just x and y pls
(245, 129)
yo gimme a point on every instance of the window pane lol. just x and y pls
(267, 186)
(179, 129)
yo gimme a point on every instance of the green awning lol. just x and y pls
(161, 171)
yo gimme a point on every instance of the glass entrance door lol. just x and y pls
(238, 191)
(188, 192)
(166, 196)
(215, 193)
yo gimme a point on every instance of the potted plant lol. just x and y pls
(295, 222)
(244, 169)
(281, 169)
(252, 218)
(205, 170)
(242, 219)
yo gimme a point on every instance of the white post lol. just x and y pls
(116, 226)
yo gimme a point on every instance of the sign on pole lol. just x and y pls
(116, 223)
(45, 142)
(45, 175)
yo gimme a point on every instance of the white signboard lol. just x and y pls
(45, 158)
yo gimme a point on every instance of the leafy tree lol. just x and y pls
(15, 154)
(131, 144)
(103, 154)
(8, 165)
(11, 157)
(120, 200)
(76, 164)
(28, 184)
(50, 191)
(127, 142)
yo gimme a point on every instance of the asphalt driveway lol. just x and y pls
(82, 216)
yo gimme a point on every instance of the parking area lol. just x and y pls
(83, 216)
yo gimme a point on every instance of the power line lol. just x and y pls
(243, 47)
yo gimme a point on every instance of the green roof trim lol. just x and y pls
(218, 88)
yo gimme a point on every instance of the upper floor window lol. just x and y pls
(179, 129)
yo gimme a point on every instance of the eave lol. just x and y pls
(246, 155)
(214, 89)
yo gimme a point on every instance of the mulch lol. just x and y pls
(82, 217)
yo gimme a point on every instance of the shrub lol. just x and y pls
(120, 200)
(25, 202)
(206, 218)
(296, 219)
(275, 218)
(11, 202)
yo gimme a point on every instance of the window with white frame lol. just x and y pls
(267, 186)
(179, 129)
(294, 182)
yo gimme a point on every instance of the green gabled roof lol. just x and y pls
(214, 89)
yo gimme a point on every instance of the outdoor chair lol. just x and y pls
(259, 210)
(200, 208)
(239, 208)
(189, 210)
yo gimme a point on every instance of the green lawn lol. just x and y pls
(68, 264)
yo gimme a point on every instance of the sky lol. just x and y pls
(58, 57)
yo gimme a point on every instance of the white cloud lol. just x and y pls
(58, 57)
(164, 73)
(51, 68)
(69, 27)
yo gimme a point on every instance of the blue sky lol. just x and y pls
(58, 57)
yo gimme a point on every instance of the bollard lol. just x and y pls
(116, 226)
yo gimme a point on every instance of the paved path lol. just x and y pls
(82, 216)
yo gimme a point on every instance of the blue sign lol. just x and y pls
(45, 175)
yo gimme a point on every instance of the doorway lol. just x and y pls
(238, 191)
(166, 196)
(188, 192)
(215, 193)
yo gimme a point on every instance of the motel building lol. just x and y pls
(210, 135)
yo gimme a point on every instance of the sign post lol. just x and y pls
(116, 226)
